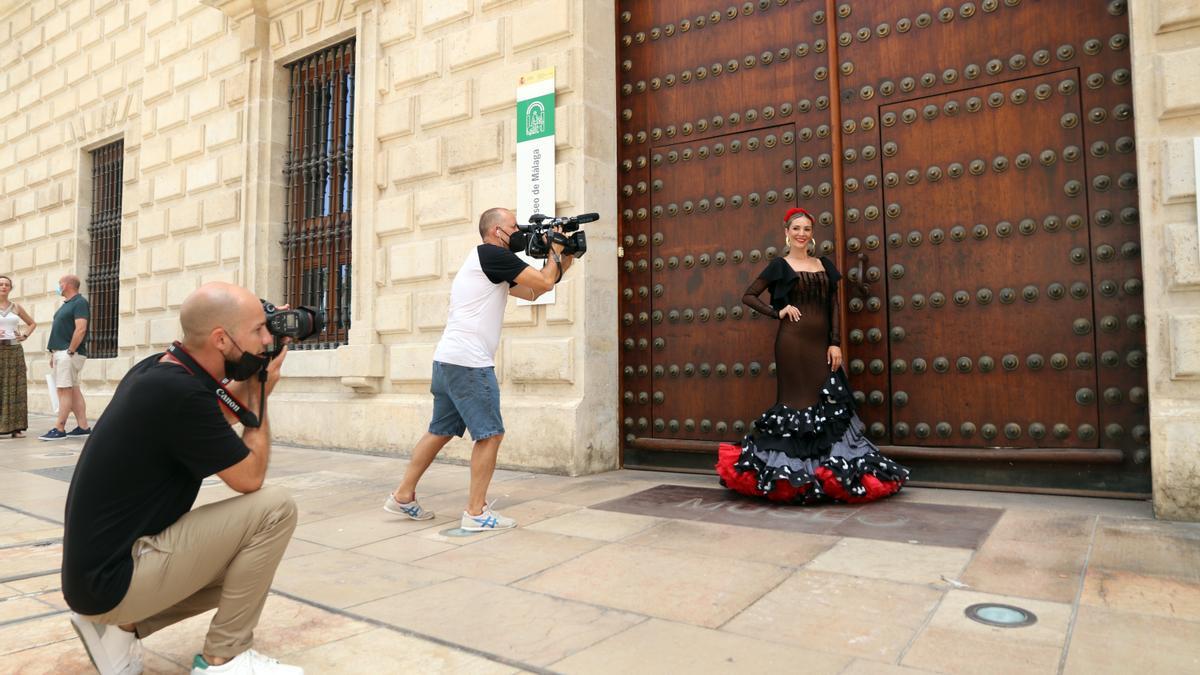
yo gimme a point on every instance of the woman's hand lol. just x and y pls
(789, 313)
(834, 357)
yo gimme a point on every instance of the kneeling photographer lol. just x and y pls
(136, 556)
(465, 392)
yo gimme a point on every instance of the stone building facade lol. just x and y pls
(197, 91)
(1165, 38)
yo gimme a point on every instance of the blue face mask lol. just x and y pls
(59, 287)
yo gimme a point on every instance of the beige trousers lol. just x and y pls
(221, 555)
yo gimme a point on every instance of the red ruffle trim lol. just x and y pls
(745, 482)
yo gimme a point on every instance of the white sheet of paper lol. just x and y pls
(53, 391)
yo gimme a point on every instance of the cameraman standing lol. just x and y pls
(465, 392)
(136, 556)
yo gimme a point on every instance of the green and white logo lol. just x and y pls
(535, 118)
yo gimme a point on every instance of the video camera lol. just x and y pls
(299, 324)
(538, 246)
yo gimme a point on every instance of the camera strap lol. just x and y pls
(226, 399)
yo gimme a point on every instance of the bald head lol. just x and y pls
(216, 305)
(70, 281)
(493, 218)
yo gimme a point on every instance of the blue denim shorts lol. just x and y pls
(465, 398)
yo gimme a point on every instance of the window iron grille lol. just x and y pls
(104, 264)
(318, 178)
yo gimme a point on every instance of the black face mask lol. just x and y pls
(246, 367)
(517, 241)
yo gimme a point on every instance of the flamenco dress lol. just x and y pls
(809, 447)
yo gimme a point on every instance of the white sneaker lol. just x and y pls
(248, 662)
(411, 509)
(112, 650)
(488, 520)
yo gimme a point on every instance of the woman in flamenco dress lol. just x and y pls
(810, 447)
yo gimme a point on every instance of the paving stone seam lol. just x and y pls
(564, 561)
(35, 542)
(31, 617)
(1087, 560)
(794, 572)
(458, 577)
(29, 575)
(924, 625)
(29, 514)
(645, 619)
(514, 663)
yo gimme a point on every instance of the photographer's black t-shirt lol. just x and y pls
(140, 470)
(500, 264)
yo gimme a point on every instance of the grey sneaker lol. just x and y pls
(112, 650)
(411, 509)
(486, 521)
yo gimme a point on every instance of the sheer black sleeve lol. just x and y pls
(835, 314)
(752, 300)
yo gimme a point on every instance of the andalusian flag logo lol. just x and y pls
(535, 118)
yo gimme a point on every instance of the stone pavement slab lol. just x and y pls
(658, 646)
(786, 549)
(510, 622)
(602, 525)
(838, 613)
(391, 653)
(660, 582)
(344, 579)
(506, 559)
(878, 560)
(1104, 642)
(651, 572)
(1167, 597)
(951, 644)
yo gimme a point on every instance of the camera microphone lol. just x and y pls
(587, 217)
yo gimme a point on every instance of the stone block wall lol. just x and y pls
(197, 91)
(1166, 61)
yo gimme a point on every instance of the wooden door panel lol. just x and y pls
(724, 125)
(978, 305)
(718, 200)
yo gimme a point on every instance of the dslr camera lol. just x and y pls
(299, 324)
(540, 233)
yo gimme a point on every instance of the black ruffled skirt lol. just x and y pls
(818, 454)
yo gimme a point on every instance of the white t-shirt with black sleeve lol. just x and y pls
(477, 300)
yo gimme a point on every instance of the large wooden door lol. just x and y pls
(988, 277)
(972, 169)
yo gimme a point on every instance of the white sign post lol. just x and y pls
(1196, 156)
(535, 155)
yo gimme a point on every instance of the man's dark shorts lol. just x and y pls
(465, 398)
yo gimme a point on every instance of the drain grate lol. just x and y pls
(1001, 616)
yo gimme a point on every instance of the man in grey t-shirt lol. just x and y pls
(466, 394)
(68, 352)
